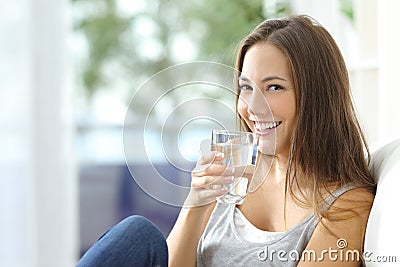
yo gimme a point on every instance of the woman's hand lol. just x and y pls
(208, 180)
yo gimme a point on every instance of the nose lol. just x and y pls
(257, 106)
(256, 103)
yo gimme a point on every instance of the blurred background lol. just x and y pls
(69, 70)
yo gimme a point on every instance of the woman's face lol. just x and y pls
(266, 80)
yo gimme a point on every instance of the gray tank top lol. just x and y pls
(222, 244)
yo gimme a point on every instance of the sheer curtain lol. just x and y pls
(38, 184)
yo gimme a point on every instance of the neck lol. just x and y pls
(271, 168)
(278, 169)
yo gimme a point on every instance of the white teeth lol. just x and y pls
(266, 125)
(263, 126)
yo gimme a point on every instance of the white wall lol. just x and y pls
(364, 69)
(389, 69)
(375, 73)
(38, 191)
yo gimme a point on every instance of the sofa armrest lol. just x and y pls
(383, 229)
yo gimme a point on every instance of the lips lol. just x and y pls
(265, 127)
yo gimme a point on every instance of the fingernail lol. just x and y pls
(229, 170)
(229, 179)
(219, 155)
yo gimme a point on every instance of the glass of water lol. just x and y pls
(240, 152)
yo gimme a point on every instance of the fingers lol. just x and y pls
(213, 170)
(205, 189)
(221, 170)
(208, 165)
(210, 157)
(209, 181)
(201, 196)
(211, 194)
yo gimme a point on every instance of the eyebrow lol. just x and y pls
(266, 79)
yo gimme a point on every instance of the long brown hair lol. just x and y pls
(328, 147)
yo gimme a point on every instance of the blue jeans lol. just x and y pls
(135, 241)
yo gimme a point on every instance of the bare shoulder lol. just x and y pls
(357, 201)
(355, 195)
(342, 230)
(351, 208)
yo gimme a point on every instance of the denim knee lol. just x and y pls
(133, 223)
(147, 242)
(135, 241)
(139, 226)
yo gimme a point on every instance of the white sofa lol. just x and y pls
(382, 240)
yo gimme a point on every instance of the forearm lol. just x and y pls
(185, 235)
(192, 220)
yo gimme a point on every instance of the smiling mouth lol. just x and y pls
(266, 127)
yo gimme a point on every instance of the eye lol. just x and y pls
(274, 87)
(245, 87)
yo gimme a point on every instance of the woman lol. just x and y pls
(313, 204)
(296, 66)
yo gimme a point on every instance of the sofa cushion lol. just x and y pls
(383, 228)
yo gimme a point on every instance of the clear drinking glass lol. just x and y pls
(240, 152)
